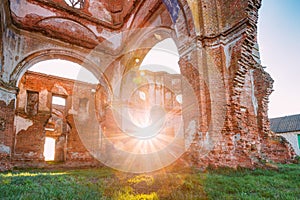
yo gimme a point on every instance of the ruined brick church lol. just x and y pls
(212, 112)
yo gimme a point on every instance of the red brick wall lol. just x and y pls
(29, 142)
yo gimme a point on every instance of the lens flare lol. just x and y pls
(141, 121)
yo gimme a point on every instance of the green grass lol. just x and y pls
(105, 183)
(255, 184)
(81, 184)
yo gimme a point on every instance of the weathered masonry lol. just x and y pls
(214, 112)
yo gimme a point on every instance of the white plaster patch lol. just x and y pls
(207, 140)
(6, 97)
(5, 75)
(130, 21)
(190, 133)
(228, 51)
(22, 97)
(72, 111)
(22, 123)
(116, 41)
(243, 109)
(22, 8)
(13, 54)
(4, 149)
(94, 29)
(157, 21)
(43, 98)
(113, 40)
(253, 97)
(98, 11)
(30, 154)
(255, 53)
(106, 34)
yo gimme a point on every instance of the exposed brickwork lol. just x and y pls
(221, 77)
(32, 129)
(6, 138)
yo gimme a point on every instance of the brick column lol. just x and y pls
(7, 112)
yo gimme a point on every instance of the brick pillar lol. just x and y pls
(195, 103)
(206, 91)
(7, 111)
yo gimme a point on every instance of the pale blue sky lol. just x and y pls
(279, 42)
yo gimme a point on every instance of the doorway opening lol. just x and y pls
(49, 149)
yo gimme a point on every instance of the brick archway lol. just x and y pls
(44, 55)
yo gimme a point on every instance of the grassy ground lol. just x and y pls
(105, 183)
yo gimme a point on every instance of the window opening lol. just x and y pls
(58, 114)
(32, 102)
(75, 3)
(56, 100)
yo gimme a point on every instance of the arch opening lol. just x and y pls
(64, 69)
(148, 111)
(162, 57)
(39, 101)
(52, 95)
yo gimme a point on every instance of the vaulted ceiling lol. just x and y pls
(86, 22)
